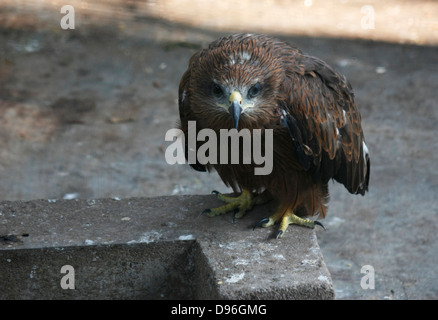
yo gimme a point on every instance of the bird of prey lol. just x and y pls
(259, 82)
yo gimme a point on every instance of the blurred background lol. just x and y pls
(88, 91)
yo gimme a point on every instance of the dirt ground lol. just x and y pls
(84, 112)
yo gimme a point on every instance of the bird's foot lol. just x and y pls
(240, 204)
(285, 220)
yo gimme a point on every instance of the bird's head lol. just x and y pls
(236, 79)
(237, 99)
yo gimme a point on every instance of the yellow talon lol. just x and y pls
(240, 204)
(286, 217)
(291, 218)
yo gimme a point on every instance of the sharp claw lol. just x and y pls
(258, 224)
(205, 211)
(234, 214)
(319, 224)
(279, 234)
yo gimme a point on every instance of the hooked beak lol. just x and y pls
(235, 108)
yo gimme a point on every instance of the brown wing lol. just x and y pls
(321, 102)
(185, 113)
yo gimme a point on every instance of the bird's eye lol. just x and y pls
(217, 90)
(254, 90)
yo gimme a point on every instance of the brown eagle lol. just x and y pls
(259, 82)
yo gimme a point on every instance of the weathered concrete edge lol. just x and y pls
(65, 224)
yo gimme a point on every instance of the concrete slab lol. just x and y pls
(153, 248)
